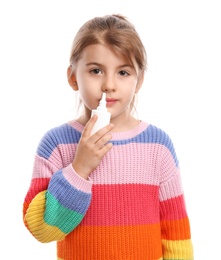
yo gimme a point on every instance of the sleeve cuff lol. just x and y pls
(76, 180)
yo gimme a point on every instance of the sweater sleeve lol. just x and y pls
(57, 199)
(175, 226)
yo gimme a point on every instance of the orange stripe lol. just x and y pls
(126, 242)
(176, 229)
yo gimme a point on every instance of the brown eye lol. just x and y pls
(95, 71)
(123, 73)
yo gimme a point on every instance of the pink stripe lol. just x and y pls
(129, 204)
(46, 168)
(63, 155)
(122, 166)
(43, 168)
(171, 188)
(135, 163)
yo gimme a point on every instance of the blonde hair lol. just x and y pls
(116, 32)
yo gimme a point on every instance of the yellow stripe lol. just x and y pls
(63, 258)
(178, 248)
(35, 221)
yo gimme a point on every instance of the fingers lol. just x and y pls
(103, 141)
(107, 147)
(103, 134)
(98, 134)
(89, 125)
(92, 148)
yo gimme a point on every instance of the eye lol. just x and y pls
(124, 73)
(95, 71)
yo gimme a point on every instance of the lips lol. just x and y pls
(110, 101)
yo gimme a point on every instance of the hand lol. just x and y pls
(91, 149)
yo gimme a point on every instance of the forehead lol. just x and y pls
(99, 51)
(104, 54)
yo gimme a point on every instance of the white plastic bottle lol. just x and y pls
(103, 115)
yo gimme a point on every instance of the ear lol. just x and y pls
(72, 78)
(139, 83)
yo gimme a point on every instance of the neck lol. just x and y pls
(124, 125)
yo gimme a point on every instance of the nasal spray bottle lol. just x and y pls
(102, 113)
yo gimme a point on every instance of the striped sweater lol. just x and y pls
(131, 208)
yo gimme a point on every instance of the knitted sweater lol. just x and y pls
(131, 208)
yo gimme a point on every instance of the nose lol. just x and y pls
(108, 85)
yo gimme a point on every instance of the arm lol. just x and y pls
(58, 197)
(175, 227)
(60, 193)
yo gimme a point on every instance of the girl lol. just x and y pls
(116, 194)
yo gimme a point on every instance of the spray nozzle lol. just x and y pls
(103, 100)
(102, 103)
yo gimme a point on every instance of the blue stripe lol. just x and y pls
(64, 134)
(66, 194)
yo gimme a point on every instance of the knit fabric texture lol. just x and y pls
(131, 208)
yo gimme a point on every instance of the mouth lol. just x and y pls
(110, 101)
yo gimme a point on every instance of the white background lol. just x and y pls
(180, 95)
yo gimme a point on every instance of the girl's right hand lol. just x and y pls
(91, 148)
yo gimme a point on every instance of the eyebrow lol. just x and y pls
(100, 65)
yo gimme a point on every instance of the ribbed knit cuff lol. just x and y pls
(76, 180)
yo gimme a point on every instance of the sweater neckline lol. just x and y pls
(116, 135)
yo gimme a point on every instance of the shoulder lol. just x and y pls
(158, 136)
(154, 134)
(63, 134)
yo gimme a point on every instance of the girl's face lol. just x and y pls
(100, 70)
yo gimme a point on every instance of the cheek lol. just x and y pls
(84, 87)
(130, 90)
(132, 93)
(88, 98)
